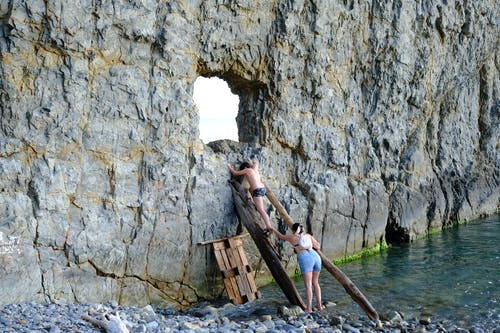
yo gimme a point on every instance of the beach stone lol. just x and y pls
(330, 305)
(206, 311)
(260, 329)
(279, 321)
(347, 327)
(425, 320)
(54, 329)
(284, 327)
(290, 311)
(189, 326)
(268, 323)
(67, 318)
(337, 320)
(395, 317)
(265, 318)
(152, 325)
(140, 328)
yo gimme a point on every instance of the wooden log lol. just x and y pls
(348, 285)
(106, 320)
(250, 218)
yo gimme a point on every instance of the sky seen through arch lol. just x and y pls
(218, 109)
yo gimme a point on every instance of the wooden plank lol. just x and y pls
(220, 261)
(234, 285)
(223, 239)
(251, 281)
(229, 289)
(348, 285)
(235, 253)
(251, 219)
(235, 242)
(228, 275)
(252, 287)
(241, 285)
(245, 272)
(245, 284)
(219, 245)
(249, 286)
(226, 262)
(232, 290)
(242, 256)
(230, 258)
(233, 264)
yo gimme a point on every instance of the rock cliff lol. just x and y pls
(371, 120)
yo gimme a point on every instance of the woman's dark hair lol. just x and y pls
(296, 226)
(245, 165)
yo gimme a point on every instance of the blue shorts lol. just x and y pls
(309, 261)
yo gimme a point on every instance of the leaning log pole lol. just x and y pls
(348, 285)
(250, 218)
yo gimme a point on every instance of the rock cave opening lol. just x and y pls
(249, 109)
(218, 108)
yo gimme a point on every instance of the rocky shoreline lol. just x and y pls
(56, 318)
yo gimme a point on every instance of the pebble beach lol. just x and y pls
(204, 318)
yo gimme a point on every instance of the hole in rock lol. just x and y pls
(218, 109)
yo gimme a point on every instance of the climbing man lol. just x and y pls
(257, 188)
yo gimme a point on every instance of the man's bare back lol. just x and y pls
(251, 174)
(257, 188)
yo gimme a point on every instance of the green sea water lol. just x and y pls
(454, 274)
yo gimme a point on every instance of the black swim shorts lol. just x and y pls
(259, 192)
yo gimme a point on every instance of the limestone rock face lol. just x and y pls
(371, 120)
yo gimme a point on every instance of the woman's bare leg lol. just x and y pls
(317, 289)
(308, 284)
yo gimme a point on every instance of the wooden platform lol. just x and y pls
(235, 269)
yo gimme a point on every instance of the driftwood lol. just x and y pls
(105, 319)
(348, 285)
(251, 219)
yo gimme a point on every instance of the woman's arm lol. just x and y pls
(237, 172)
(281, 236)
(316, 244)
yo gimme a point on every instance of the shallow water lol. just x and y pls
(453, 274)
